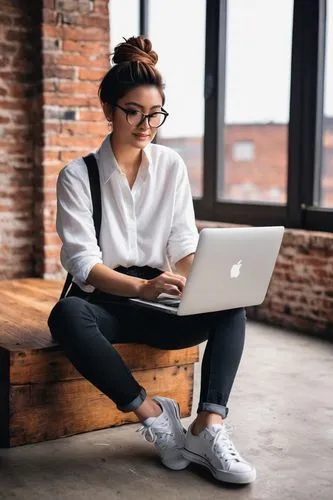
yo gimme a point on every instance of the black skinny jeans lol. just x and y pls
(87, 330)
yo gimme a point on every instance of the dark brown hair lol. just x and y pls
(134, 65)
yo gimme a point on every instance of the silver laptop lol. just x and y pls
(232, 267)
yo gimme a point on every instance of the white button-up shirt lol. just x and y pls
(152, 224)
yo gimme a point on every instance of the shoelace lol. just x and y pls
(224, 447)
(161, 438)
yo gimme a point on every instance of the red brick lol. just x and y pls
(84, 128)
(66, 141)
(17, 36)
(87, 48)
(75, 88)
(50, 16)
(50, 183)
(67, 156)
(50, 155)
(101, 8)
(92, 116)
(67, 5)
(58, 72)
(70, 141)
(68, 59)
(50, 31)
(48, 4)
(52, 267)
(5, 20)
(78, 33)
(53, 168)
(89, 74)
(4, 119)
(52, 239)
(99, 22)
(50, 85)
(52, 251)
(51, 99)
(4, 61)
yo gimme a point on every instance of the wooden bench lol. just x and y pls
(42, 396)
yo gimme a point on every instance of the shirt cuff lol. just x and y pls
(81, 270)
(181, 251)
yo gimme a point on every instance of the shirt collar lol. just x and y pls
(108, 163)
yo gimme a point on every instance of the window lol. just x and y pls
(326, 177)
(124, 20)
(251, 103)
(177, 30)
(257, 83)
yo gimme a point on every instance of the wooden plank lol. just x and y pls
(27, 326)
(46, 365)
(24, 308)
(4, 398)
(31, 289)
(47, 411)
(55, 285)
(28, 301)
(51, 285)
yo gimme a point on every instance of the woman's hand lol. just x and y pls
(164, 283)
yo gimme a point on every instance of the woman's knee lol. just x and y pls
(240, 313)
(233, 318)
(65, 310)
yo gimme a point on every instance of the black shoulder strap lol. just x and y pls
(95, 190)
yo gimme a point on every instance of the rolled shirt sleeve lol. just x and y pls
(75, 225)
(183, 238)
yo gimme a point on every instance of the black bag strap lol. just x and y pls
(95, 190)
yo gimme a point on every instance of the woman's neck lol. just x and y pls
(128, 158)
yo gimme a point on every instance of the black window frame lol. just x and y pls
(304, 130)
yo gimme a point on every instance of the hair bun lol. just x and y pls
(135, 49)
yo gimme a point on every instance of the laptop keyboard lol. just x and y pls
(168, 302)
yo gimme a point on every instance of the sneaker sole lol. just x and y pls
(173, 407)
(227, 477)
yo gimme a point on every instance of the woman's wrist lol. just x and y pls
(141, 287)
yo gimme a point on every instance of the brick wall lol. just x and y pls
(300, 295)
(76, 55)
(20, 133)
(53, 54)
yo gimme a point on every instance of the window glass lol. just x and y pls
(177, 32)
(124, 16)
(326, 181)
(258, 60)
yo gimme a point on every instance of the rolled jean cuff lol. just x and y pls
(133, 405)
(214, 408)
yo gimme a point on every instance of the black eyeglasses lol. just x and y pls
(136, 118)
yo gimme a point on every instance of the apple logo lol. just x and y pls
(235, 270)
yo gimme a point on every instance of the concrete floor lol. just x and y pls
(281, 412)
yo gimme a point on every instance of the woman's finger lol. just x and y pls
(174, 280)
(171, 289)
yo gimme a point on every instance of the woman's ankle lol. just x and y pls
(205, 419)
(149, 408)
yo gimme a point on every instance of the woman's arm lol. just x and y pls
(184, 265)
(110, 281)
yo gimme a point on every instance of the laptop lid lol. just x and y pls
(232, 268)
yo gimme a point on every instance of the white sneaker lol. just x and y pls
(214, 449)
(167, 433)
